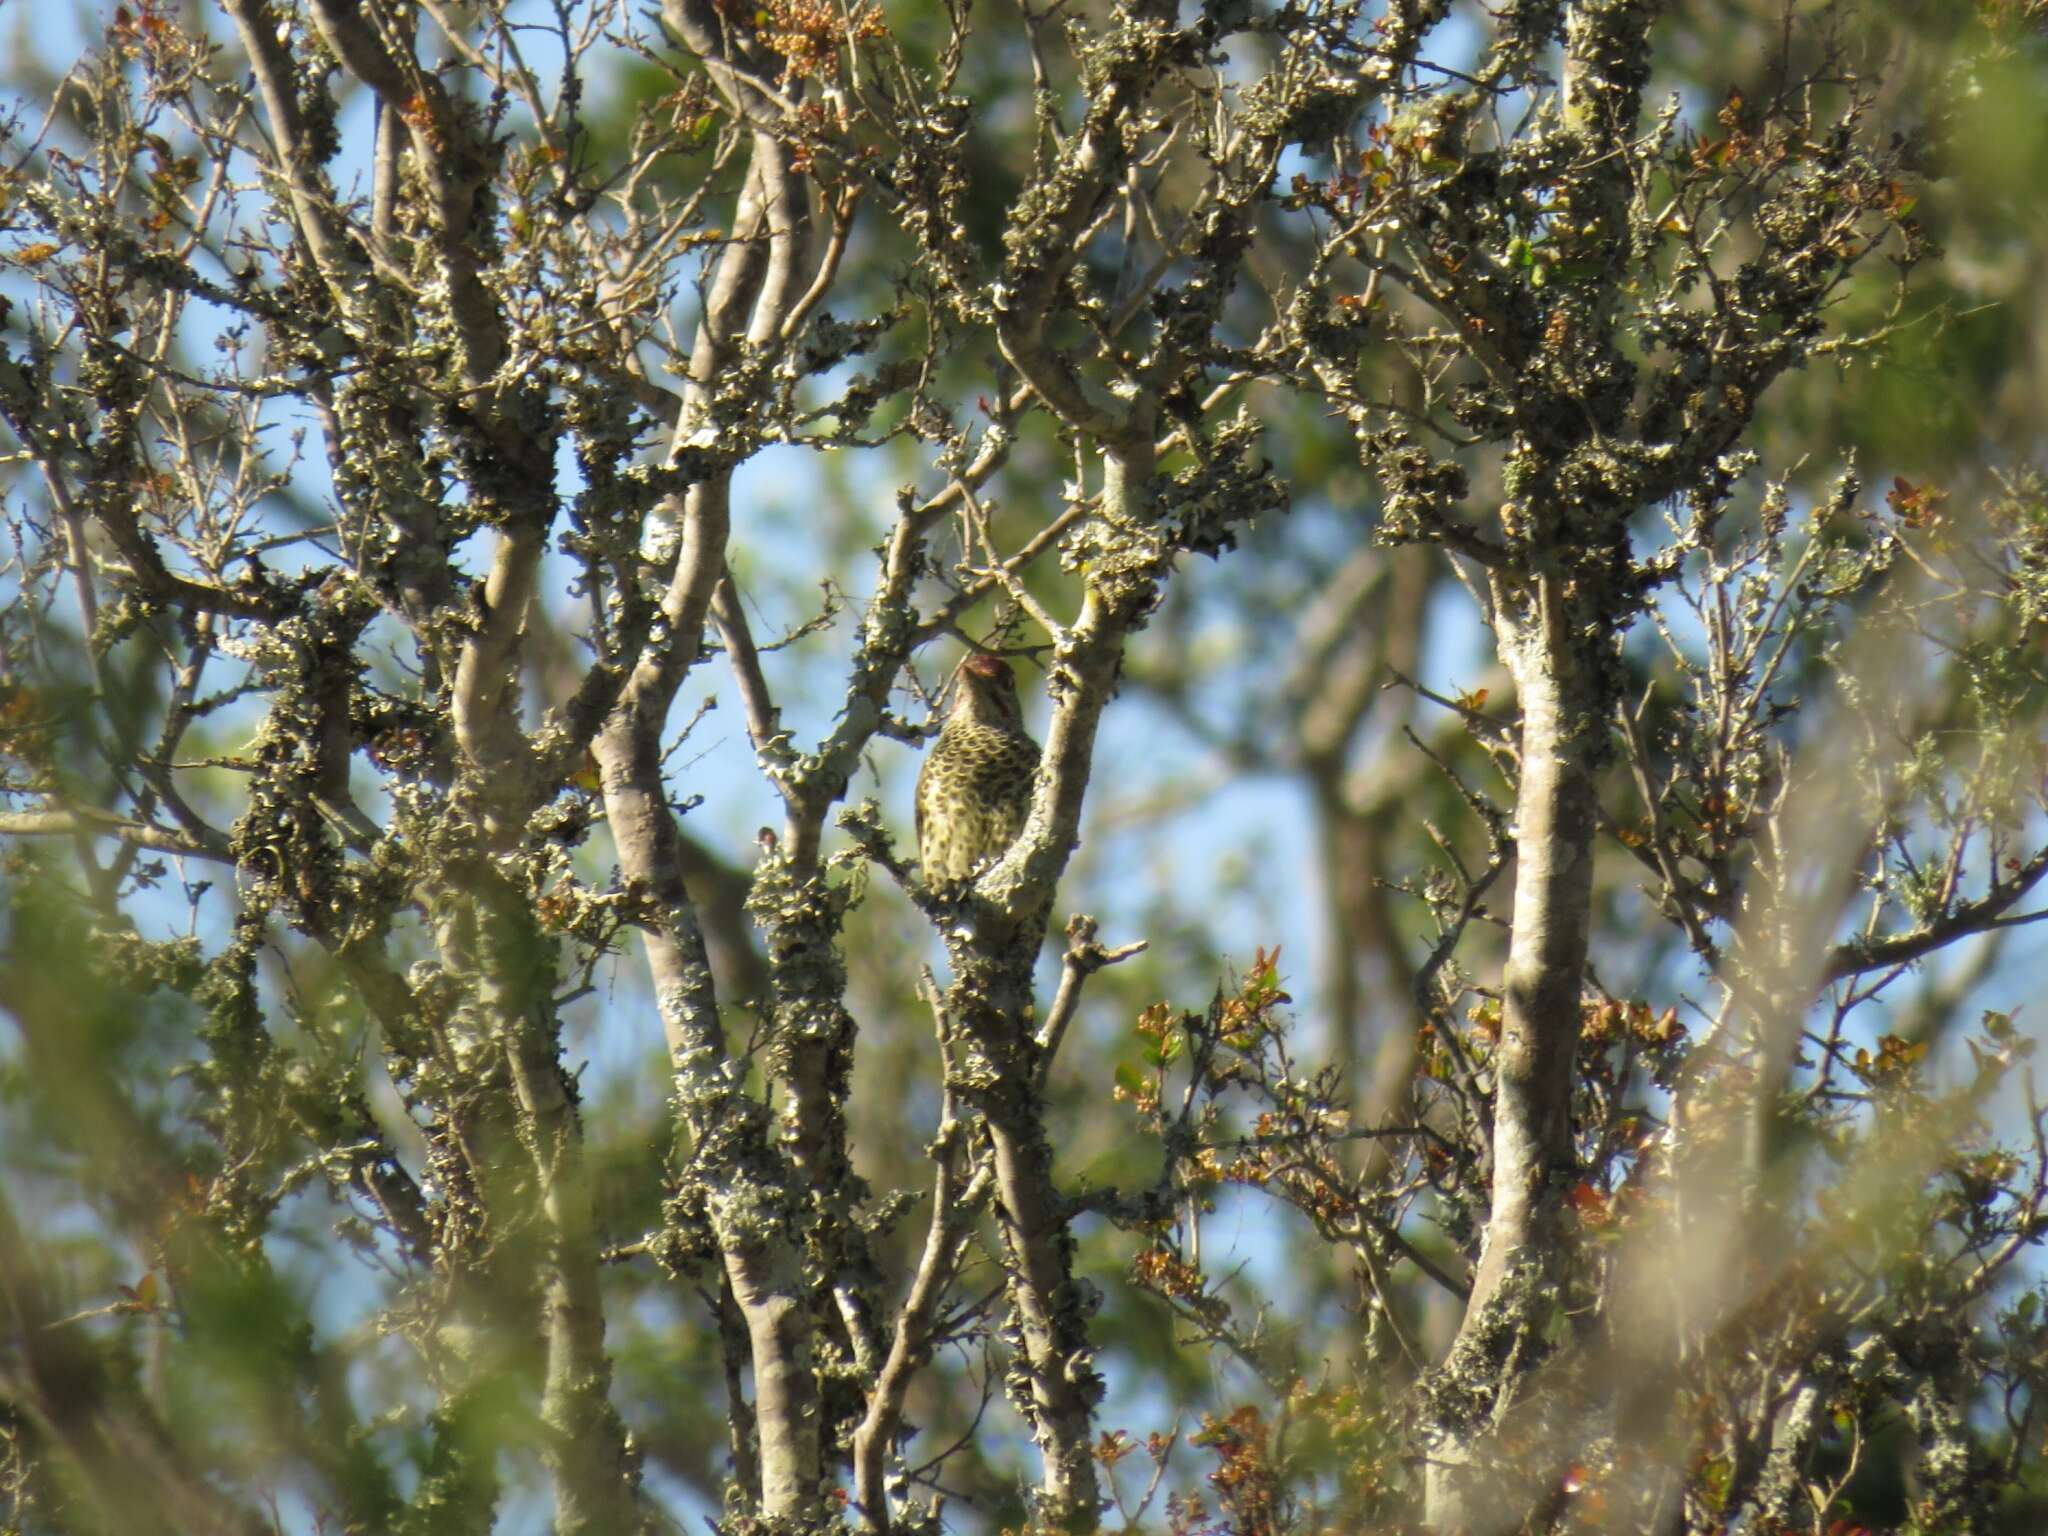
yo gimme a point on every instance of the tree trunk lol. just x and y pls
(1471, 1488)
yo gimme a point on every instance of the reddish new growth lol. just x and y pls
(1248, 1485)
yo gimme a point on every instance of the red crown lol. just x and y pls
(990, 667)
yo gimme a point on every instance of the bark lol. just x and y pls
(1048, 1311)
(768, 1289)
(801, 916)
(1559, 595)
(540, 1213)
(1555, 818)
(1053, 1381)
(746, 1186)
(744, 1182)
(482, 925)
(1471, 1488)
(993, 950)
(954, 1209)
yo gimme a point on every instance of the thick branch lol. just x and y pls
(1554, 829)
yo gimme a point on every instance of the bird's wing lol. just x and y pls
(917, 812)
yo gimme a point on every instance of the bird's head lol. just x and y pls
(985, 690)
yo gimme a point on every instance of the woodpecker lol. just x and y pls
(975, 788)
